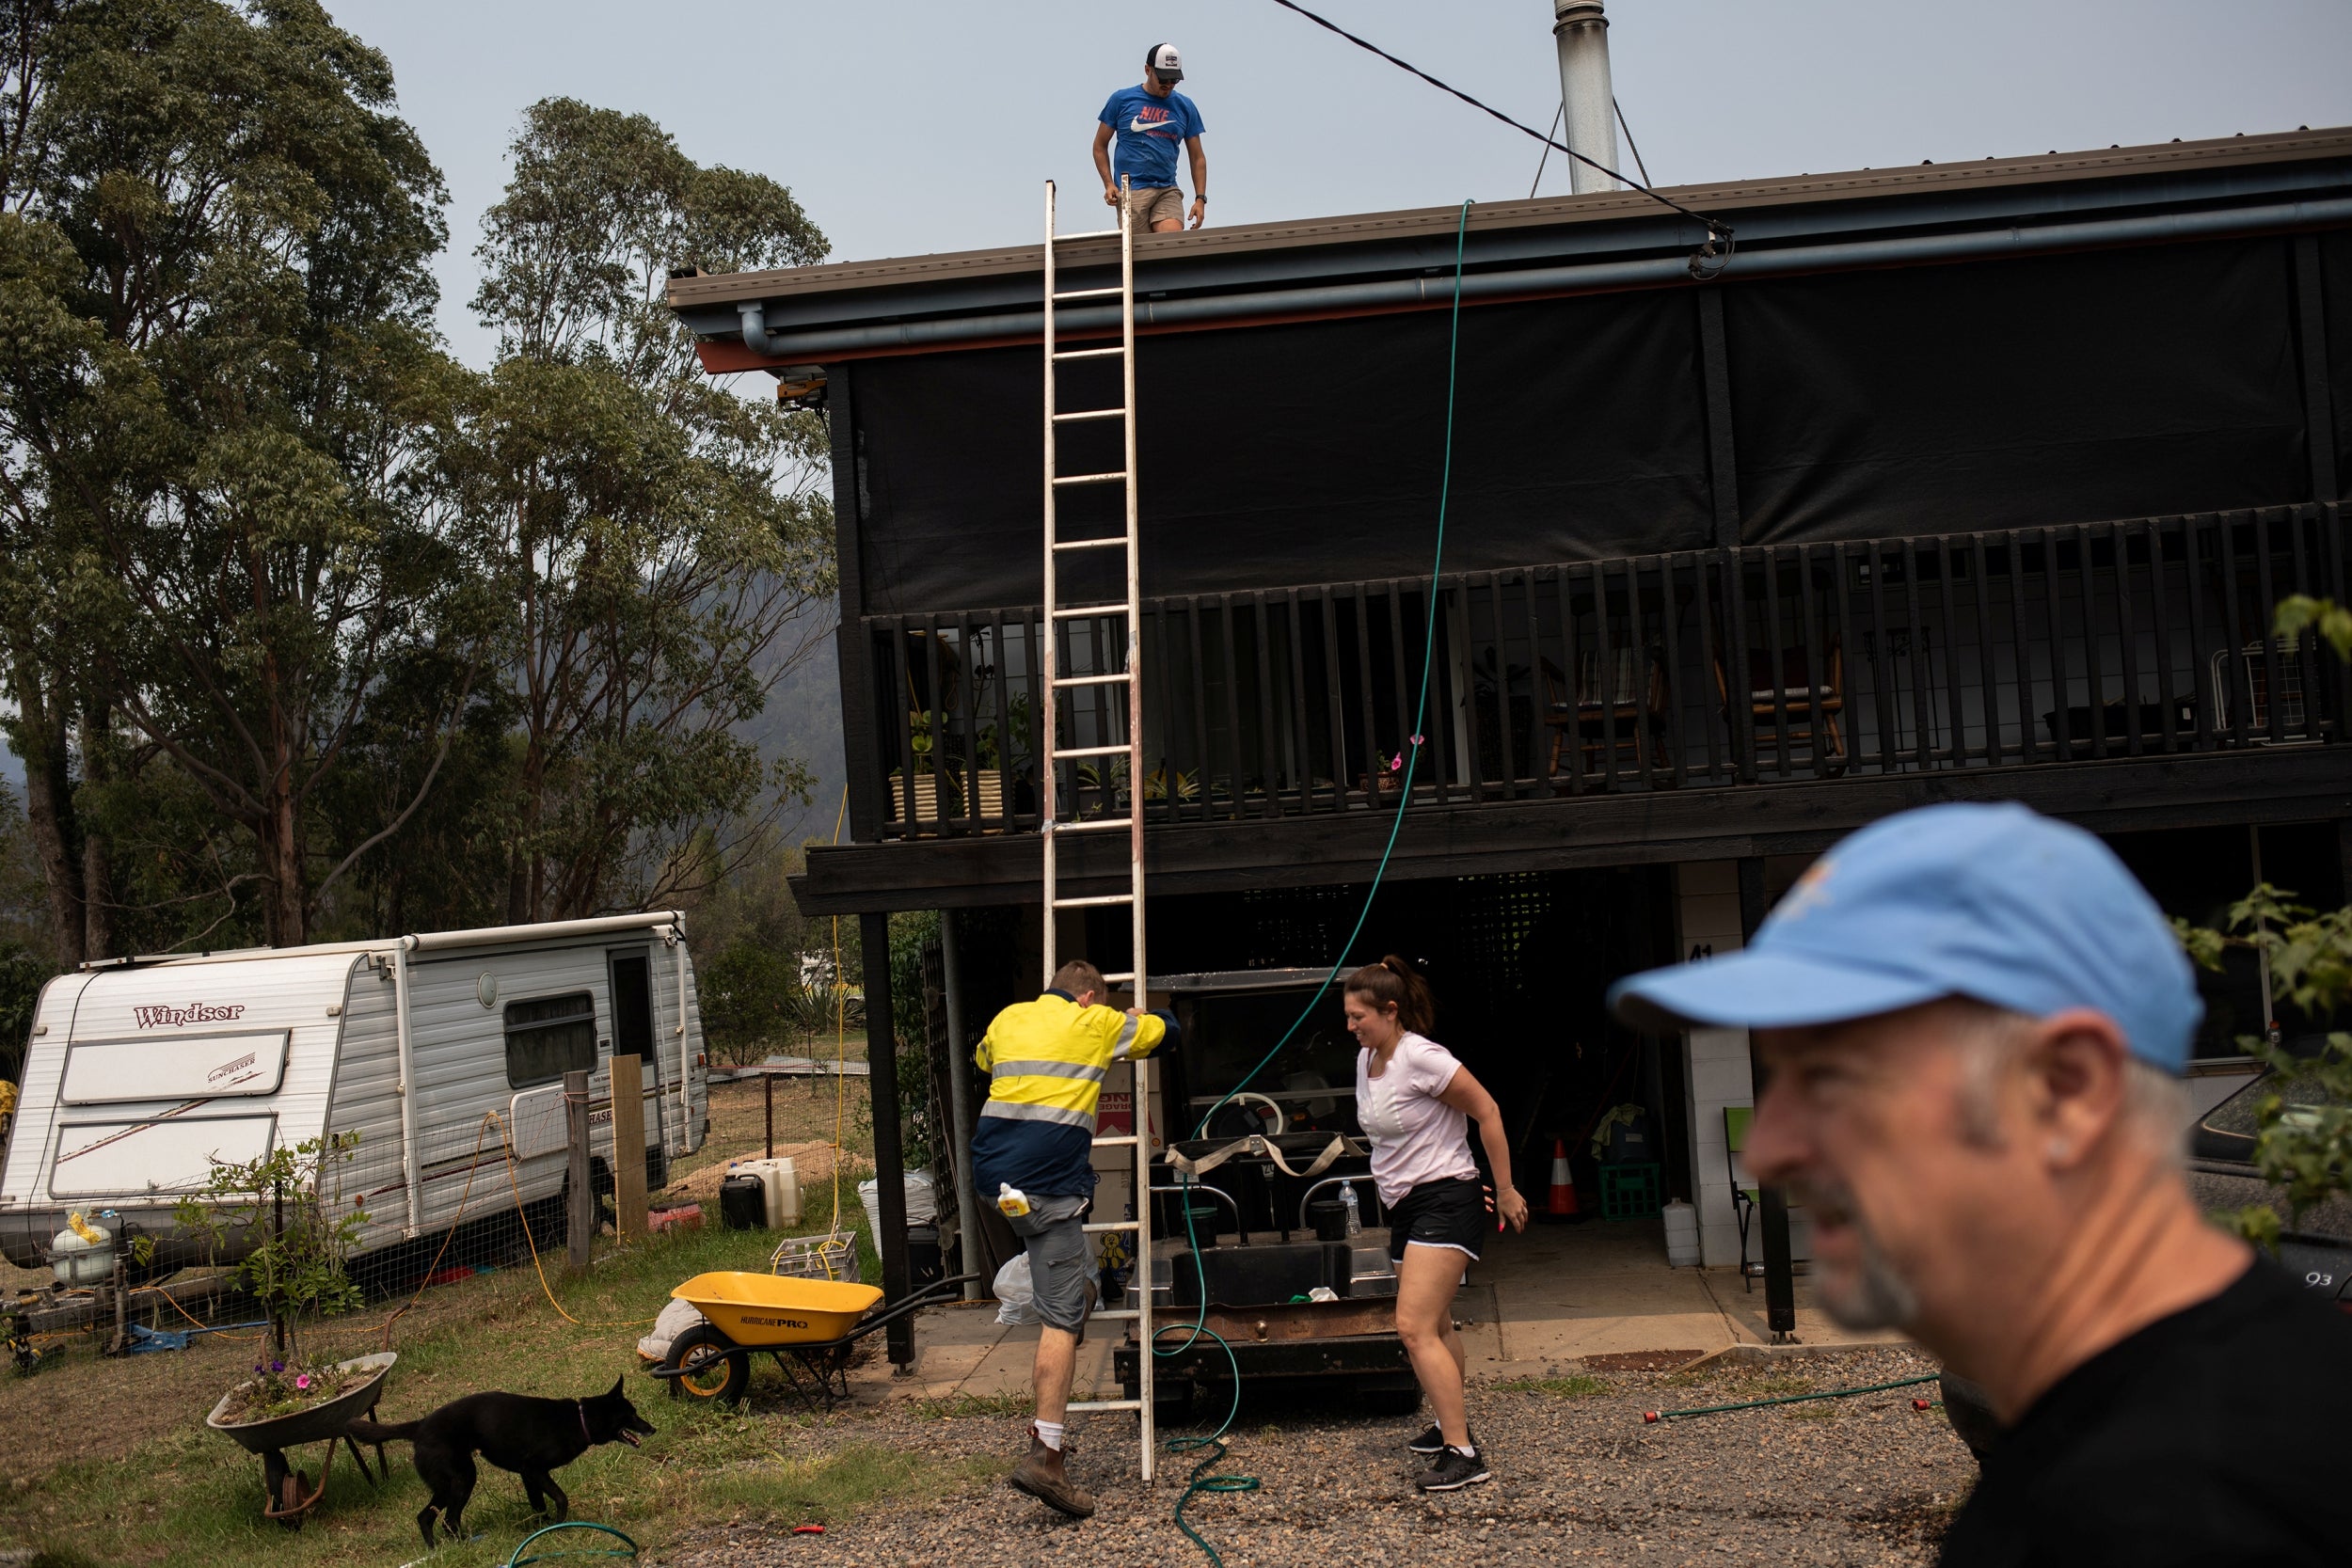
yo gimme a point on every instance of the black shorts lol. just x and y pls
(1449, 1213)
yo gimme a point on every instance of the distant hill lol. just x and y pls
(803, 721)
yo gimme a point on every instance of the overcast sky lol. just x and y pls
(907, 126)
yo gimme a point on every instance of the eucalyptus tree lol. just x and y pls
(662, 541)
(222, 406)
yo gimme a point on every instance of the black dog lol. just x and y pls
(513, 1431)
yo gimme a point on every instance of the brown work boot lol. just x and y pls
(1042, 1476)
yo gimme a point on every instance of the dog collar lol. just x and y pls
(581, 1405)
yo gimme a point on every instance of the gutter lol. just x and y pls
(1423, 292)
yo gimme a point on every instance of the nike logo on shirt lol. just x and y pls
(1146, 127)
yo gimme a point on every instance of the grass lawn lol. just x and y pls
(109, 1462)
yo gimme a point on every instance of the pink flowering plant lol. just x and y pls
(279, 1387)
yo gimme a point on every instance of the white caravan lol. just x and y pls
(445, 1052)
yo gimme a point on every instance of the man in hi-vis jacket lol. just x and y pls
(1046, 1061)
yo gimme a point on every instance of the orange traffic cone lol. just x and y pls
(1563, 1201)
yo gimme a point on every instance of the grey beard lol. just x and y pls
(1879, 1296)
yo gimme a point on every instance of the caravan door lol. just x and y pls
(632, 1033)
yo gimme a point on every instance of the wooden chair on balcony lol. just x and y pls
(1809, 707)
(1634, 710)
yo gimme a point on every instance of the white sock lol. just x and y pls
(1466, 1453)
(1049, 1433)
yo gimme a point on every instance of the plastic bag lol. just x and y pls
(922, 1200)
(1015, 1292)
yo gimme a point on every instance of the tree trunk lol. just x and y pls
(288, 916)
(98, 912)
(40, 732)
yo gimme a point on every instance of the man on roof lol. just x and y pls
(1149, 121)
(1032, 1156)
(1974, 1023)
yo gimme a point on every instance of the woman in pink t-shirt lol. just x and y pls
(1416, 1103)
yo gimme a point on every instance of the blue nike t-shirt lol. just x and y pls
(1149, 132)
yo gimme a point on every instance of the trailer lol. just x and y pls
(444, 1052)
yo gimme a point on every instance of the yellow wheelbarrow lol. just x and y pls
(810, 1327)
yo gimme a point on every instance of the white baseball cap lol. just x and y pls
(1165, 62)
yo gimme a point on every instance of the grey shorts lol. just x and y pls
(1059, 1259)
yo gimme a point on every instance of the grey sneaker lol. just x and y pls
(1454, 1471)
(1432, 1441)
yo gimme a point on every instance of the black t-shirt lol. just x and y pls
(2220, 1434)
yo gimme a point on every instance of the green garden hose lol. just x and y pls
(1213, 1444)
(1652, 1416)
(518, 1561)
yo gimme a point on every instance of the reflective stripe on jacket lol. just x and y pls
(1046, 1061)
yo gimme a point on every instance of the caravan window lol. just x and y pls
(549, 1036)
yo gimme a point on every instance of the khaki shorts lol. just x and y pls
(1153, 204)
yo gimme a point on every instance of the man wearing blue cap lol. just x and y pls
(1973, 1021)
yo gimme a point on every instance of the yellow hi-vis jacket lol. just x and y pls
(1046, 1061)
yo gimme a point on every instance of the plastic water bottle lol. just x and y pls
(1355, 1214)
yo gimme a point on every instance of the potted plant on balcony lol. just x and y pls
(993, 781)
(1383, 785)
(916, 790)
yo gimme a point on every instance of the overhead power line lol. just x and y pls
(1708, 262)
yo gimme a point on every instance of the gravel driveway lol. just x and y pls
(1866, 1479)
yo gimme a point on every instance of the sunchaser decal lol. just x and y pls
(195, 1012)
(164, 1067)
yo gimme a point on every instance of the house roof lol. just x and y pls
(1378, 261)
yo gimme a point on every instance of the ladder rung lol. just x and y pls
(1116, 1140)
(1081, 1407)
(1115, 541)
(1087, 353)
(1092, 414)
(1085, 293)
(1089, 234)
(1102, 1226)
(1096, 824)
(1127, 1313)
(1119, 679)
(1094, 903)
(1062, 751)
(1087, 611)
(1117, 476)
(1122, 975)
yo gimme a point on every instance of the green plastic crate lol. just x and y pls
(1632, 1190)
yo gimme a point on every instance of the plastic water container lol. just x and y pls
(1682, 1235)
(782, 1186)
(1354, 1211)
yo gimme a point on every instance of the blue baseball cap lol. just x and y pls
(1994, 902)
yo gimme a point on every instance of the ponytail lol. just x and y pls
(1394, 983)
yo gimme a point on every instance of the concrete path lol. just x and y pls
(1537, 1304)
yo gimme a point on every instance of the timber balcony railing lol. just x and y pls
(2023, 648)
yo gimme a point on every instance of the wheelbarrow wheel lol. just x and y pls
(713, 1369)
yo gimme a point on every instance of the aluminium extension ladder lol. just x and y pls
(1126, 683)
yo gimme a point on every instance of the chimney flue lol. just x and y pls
(1582, 33)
